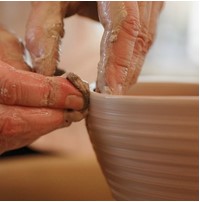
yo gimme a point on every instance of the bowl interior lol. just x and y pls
(164, 89)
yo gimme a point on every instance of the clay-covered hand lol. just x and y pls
(45, 29)
(129, 30)
(31, 104)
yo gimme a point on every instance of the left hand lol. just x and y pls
(31, 105)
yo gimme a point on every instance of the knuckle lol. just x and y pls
(143, 41)
(8, 92)
(131, 26)
(31, 36)
(49, 93)
(133, 29)
(148, 40)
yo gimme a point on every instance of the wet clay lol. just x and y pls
(82, 86)
(147, 143)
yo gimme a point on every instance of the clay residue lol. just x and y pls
(111, 15)
(82, 86)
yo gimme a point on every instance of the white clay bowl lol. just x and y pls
(147, 143)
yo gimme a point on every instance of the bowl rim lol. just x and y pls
(96, 95)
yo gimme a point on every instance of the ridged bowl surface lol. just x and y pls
(147, 142)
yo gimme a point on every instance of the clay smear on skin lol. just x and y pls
(114, 17)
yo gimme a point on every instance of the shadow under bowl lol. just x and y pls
(147, 142)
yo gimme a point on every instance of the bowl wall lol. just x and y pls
(147, 142)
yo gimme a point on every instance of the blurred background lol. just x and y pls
(175, 54)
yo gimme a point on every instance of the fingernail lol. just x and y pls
(74, 102)
(73, 116)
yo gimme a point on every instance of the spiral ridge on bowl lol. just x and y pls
(147, 147)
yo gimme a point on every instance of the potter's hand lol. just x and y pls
(31, 105)
(129, 32)
(45, 29)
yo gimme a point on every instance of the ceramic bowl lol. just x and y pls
(147, 142)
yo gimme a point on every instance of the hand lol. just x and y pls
(129, 32)
(45, 30)
(31, 105)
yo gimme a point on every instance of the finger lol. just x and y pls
(31, 89)
(19, 126)
(12, 50)
(121, 27)
(149, 13)
(142, 45)
(43, 35)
